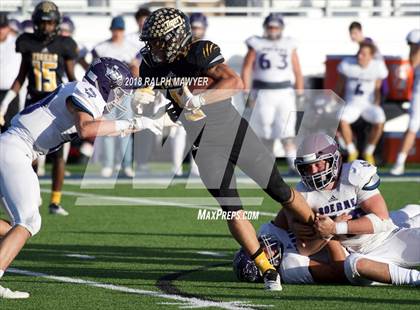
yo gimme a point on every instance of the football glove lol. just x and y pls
(142, 123)
(142, 96)
(190, 101)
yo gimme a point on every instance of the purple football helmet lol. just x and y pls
(110, 77)
(245, 268)
(315, 148)
(67, 24)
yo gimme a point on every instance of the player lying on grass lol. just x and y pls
(280, 244)
(349, 194)
(73, 109)
(219, 136)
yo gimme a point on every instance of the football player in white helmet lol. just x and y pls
(359, 83)
(270, 69)
(413, 40)
(326, 266)
(350, 209)
(73, 109)
(333, 189)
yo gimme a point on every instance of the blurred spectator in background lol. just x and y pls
(9, 68)
(356, 32)
(27, 26)
(120, 48)
(15, 26)
(199, 25)
(67, 29)
(144, 140)
(413, 40)
(359, 83)
(269, 68)
(140, 17)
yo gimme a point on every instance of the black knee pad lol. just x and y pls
(279, 190)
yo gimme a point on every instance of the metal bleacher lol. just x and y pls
(239, 7)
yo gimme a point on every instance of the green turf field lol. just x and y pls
(147, 257)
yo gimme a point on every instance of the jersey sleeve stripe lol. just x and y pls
(217, 59)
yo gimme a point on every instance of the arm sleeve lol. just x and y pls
(251, 42)
(87, 98)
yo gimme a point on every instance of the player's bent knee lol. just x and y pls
(31, 222)
(352, 263)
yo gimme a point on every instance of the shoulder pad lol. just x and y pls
(88, 99)
(205, 54)
(22, 42)
(362, 174)
(252, 42)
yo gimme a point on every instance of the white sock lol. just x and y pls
(1, 273)
(401, 158)
(403, 276)
(351, 148)
(370, 148)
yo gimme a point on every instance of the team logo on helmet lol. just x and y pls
(170, 25)
(114, 75)
(47, 7)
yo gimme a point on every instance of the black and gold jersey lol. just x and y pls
(45, 62)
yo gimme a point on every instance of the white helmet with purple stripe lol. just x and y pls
(314, 148)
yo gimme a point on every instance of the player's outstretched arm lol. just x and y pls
(88, 127)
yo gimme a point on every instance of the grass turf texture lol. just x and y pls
(135, 246)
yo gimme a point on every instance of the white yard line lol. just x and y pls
(210, 253)
(156, 182)
(81, 256)
(181, 301)
(89, 199)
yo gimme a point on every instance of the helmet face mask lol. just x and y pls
(321, 179)
(246, 269)
(272, 248)
(166, 33)
(318, 161)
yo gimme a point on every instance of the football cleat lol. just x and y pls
(9, 294)
(397, 169)
(106, 172)
(129, 172)
(57, 210)
(369, 158)
(272, 280)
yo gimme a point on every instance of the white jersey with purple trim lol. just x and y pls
(357, 182)
(360, 82)
(48, 124)
(273, 62)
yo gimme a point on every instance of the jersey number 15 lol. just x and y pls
(45, 75)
